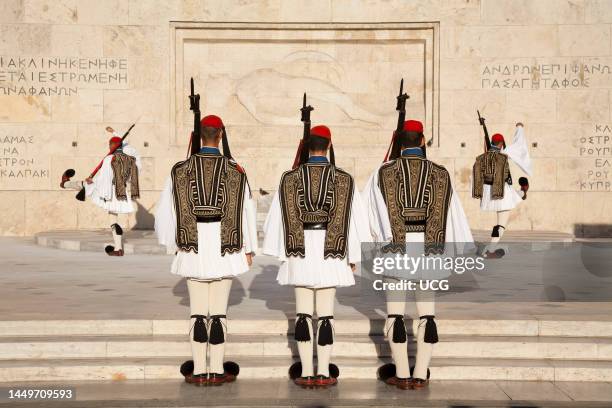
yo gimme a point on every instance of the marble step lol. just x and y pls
(467, 327)
(485, 347)
(277, 367)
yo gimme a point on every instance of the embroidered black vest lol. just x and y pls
(124, 171)
(206, 188)
(491, 168)
(316, 193)
(417, 193)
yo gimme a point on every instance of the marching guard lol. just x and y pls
(492, 181)
(112, 186)
(412, 207)
(315, 226)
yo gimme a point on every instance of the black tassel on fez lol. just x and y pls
(216, 330)
(431, 330)
(199, 329)
(399, 329)
(326, 332)
(302, 332)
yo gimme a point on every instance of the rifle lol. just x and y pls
(81, 194)
(194, 105)
(400, 107)
(487, 141)
(302, 153)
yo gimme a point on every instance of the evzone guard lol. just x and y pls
(315, 226)
(492, 181)
(412, 209)
(206, 214)
(112, 186)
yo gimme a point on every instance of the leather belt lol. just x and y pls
(315, 226)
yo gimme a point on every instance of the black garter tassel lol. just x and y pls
(399, 329)
(431, 330)
(216, 330)
(326, 331)
(302, 333)
(199, 329)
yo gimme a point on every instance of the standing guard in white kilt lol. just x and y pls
(492, 181)
(315, 228)
(411, 205)
(206, 214)
(111, 186)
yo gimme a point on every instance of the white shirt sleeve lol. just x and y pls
(518, 151)
(131, 151)
(377, 215)
(165, 218)
(358, 228)
(274, 240)
(249, 222)
(458, 230)
(102, 186)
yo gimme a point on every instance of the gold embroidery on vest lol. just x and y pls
(490, 168)
(208, 187)
(124, 171)
(417, 193)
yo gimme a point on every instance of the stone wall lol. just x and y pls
(68, 68)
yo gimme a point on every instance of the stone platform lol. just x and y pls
(81, 316)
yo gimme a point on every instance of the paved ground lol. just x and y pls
(252, 393)
(44, 283)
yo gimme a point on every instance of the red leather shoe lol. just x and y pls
(305, 381)
(66, 177)
(402, 383)
(323, 381)
(196, 379)
(217, 379)
(418, 383)
(110, 251)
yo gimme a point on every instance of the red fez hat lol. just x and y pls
(321, 131)
(212, 121)
(115, 139)
(497, 138)
(413, 126)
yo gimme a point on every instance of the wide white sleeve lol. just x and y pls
(458, 230)
(359, 231)
(518, 151)
(131, 151)
(249, 222)
(274, 240)
(377, 215)
(102, 186)
(165, 218)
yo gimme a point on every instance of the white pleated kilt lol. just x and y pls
(208, 263)
(416, 248)
(114, 205)
(313, 270)
(511, 199)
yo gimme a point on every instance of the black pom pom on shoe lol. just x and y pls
(187, 368)
(386, 371)
(109, 248)
(334, 371)
(229, 367)
(295, 371)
